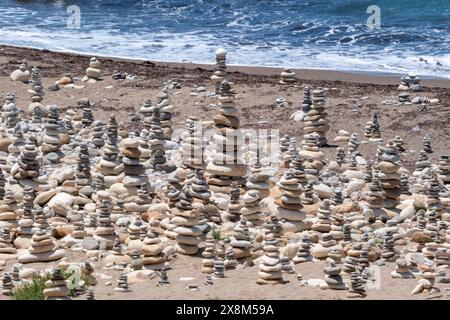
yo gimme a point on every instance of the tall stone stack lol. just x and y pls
(257, 179)
(104, 233)
(28, 166)
(7, 249)
(226, 165)
(288, 205)
(192, 146)
(241, 242)
(186, 220)
(199, 187)
(37, 93)
(153, 255)
(133, 175)
(87, 116)
(97, 133)
(270, 264)
(235, 205)
(110, 151)
(11, 115)
(208, 254)
(163, 103)
(312, 155)
(83, 178)
(156, 141)
(220, 70)
(52, 142)
(316, 119)
(372, 129)
(389, 175)
(307, 101)
(444, 169)
(252, 211)
(25, 229)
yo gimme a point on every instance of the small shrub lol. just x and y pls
(33, 290)
(217, 236)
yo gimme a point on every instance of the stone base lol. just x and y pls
(27, 257)
(271, 282)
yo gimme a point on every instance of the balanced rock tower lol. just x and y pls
(220, 71)
(316, 119)
(93, 73)
(226, 166)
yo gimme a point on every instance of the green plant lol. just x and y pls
(33, 290)
(217, 236)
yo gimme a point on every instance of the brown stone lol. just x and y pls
(227, 121)
(421, 237)
(131, 152)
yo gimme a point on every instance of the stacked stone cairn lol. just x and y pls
(288, 77)
(52, 142)
(333, 276)
(252, 210)
(270, 265)
(389, 175)
(110, 151)
(220, 70)
(411, 82)
(37, 93)
(226, 166)
(208, 254)
(56, 287)
(372, 129)
(303, 253)
(288, 204)
(192, 146)
(186, 220)
(94, 72)
(444, 169)
(240, 241)
(316, 119)
(166, 109)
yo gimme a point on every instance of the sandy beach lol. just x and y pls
(351, 100)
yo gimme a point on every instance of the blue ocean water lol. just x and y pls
(413, 35)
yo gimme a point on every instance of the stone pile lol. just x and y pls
(226, 166)
(42, 249)
(94, 72)
(270, 265)
(389, 175)
(316, 120)
(303, 253)
(251, 210)
(333, 276)
(288, 204)
(372, 129)
(411, 82)
(192, 146)
(240, 241)
(186, 220)
(52, 142)
(220, 71)
(288, 77)
(166, 109)
(22, 74)
(208, 255)
(56, 287)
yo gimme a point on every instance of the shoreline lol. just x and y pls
(360, 77)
